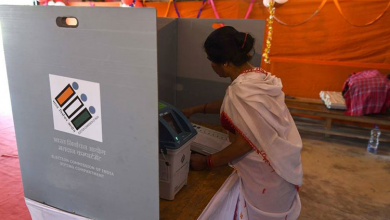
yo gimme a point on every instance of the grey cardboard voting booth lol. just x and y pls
(85, 98)
(196, 82)
(167, 35)
(84, 103)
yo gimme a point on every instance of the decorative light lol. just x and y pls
(270, 21)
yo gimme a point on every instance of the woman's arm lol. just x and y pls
(207, 108)
(235, 150)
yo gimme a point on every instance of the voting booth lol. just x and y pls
(85, 102)
(185, 75)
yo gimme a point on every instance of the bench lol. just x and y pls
(315, 107)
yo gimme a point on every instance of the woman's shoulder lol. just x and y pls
(253, 76)
(254, 70)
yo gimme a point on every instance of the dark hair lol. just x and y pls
(226, 44)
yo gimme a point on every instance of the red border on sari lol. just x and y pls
(255, 70)
(260, 152)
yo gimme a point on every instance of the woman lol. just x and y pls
(265, 154)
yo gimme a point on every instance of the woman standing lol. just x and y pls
(265, 154)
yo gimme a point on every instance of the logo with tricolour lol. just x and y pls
(76, 107)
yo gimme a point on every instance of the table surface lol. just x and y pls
(201, 186)
(190, 201)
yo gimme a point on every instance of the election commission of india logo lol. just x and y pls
(76, 107)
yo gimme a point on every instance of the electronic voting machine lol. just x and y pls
(176, 134)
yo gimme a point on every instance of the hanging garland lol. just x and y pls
(306, 20)
(272, 16)
(270, 21)
(177, 10)
(271, 9)
(249, 9)
(214, 9)
(336, 2)
(211, 2)
(201, 8)
(267, 3)
(169, 6)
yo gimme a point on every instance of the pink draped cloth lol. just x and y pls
(367, 92)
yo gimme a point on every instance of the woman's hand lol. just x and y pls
(188, 112)
(238, 148)
(198, 162)
(209, 108)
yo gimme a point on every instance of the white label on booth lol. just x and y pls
(76, 107)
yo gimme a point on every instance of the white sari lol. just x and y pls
(264, 184)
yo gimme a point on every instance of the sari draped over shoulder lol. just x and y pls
(264, 184)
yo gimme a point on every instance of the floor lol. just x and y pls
(341, 181)
(12, 206)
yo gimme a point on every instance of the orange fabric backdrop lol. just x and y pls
(318, 55)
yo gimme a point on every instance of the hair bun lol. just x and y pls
(226, 44)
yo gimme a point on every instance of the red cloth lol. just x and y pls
(12, 205)
(367, 92)
(226, 124)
